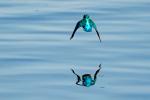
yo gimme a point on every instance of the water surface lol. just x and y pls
(36, 54)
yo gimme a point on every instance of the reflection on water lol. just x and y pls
(36, 54)
(87, 79)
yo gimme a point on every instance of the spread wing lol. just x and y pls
(77, 26)
(94, 26)
(78, 77)
(95, 75)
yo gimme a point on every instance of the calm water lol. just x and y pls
(36, 54)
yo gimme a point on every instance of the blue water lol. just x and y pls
(36, 54)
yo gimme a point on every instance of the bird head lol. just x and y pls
(86, 16)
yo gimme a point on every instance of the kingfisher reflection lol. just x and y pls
(87, 79)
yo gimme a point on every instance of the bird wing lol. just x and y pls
(94, 26)
(78, 77)
(77, 26)
(95, 75)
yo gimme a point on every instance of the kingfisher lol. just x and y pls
(87, 24)
(87, 80)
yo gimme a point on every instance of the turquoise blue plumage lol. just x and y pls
(86, 79)
(87, 24)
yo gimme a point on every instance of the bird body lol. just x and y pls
(87, 80)
(87, 24)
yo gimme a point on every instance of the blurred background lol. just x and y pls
(36, 54)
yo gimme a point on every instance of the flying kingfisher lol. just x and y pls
(86, 23)
(87, 80)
